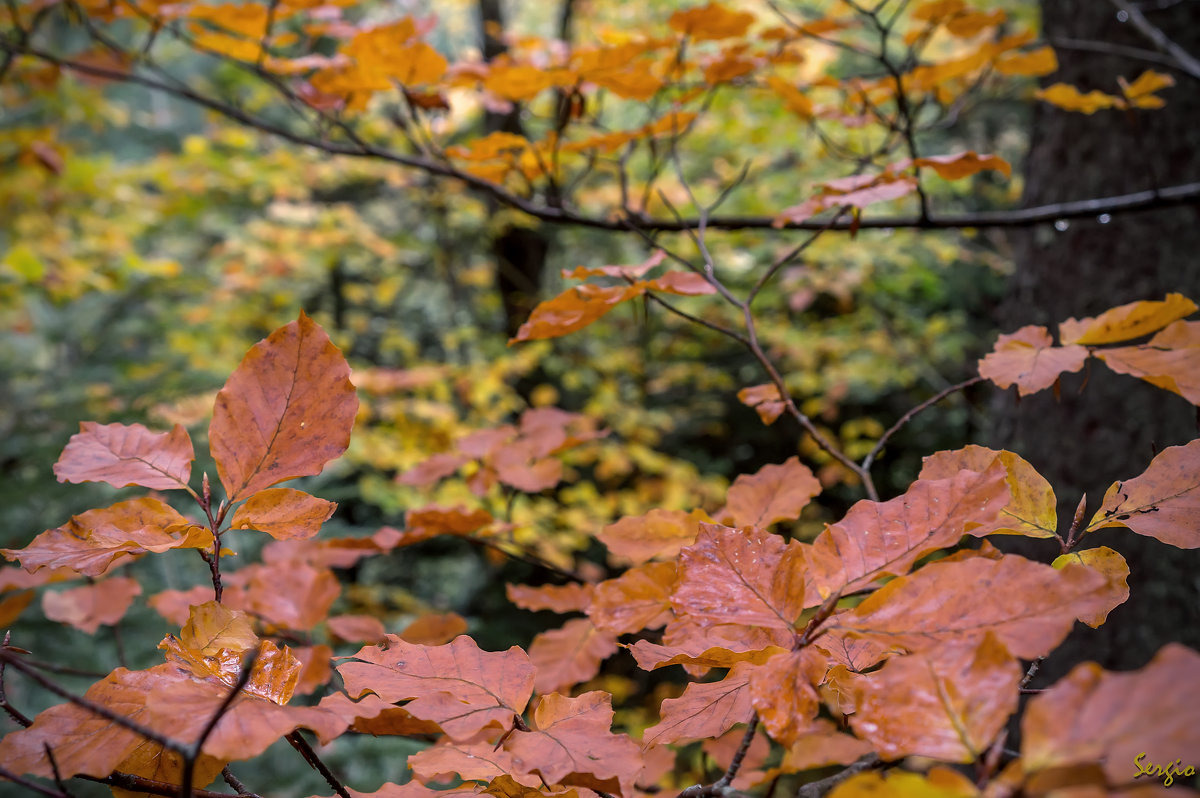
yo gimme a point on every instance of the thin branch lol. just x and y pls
(236, 783)
(8, 708)
(735, 764)
(310, 756)
(1185, 60)
(189, 761)
(33, 785)
(98, 709)
(1108, 48)
(907, 417)
(816, 789)
(1153, 199)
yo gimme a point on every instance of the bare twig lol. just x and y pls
(816, 789)
(735, 764)
(907, 417)
(310, 756)
(189, 760)
(236, 783)
(1108, 48)
(1183, 59)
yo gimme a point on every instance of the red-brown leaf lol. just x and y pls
(123, 455)
(1029, 360)
(457, 686)
(1163, 502)
(283, 513)
(704, 710)
(89, 607)
(285, 411)
(782, 693)
(775, 493)
(1170, 360)
(567, 656)
(659, 533)
(573, 597)
(638, 599)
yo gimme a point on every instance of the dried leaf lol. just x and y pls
(1033, 509)
(964, 164)
(1132, 320)
(1028, 359)
(284, 412)
(775, 493)
(711, 21)
(124, 455)
(357, 628)
(89, 607)
(573, 597)
(657, 534)
(283, 513)
(781, 691)
(569, 655)
(1112, 567)
(1170, 360)
(573, 309)
(1163, 503)
(638, 599)
(704, 710)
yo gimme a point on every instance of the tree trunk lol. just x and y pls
(1107, 427)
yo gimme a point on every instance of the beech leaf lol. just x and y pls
(283, 513)
(285, 412)
(1162, 503)
(1132, 320)
(1032, 510)
(573, 597)
(569, 655)
(704, 710)
(1029, 360)
(638, 599)
(124, 455)
(775, 493)
(658, 533)
(89, 607)
(1170, 360)
(1112, 566)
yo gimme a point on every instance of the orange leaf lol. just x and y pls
(1140, 93)
(1070, 98)
(1170, 360)
(1132, 320)
(357, 628)
(658, 533)
(283, 513)
(948, 703)
(704, 710)
(741, 576)
(91, 541)
(885, 538)
(897, 783)
(1163, 502)
(434, 628)
(89, 607)
(623, 271)
(711, 21)
(572, 744)
(1034, 63)
(574, 597)
(469, 761)
(1112, 567)
(294, 595)
(638, 599)
(1030, 607)
(793, 99)
(1028, 360)
(651, 656)
(781, 690)
(1032, 511)
(572, 310)
(12, 606)
(124, 455)
(765, 399)
(567, 656)
(284, 412)
(521, 82)
(775, 493)
(1115, 719)
(457, 686)
(821, 747)
(964, 164)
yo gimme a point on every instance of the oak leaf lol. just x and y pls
(286, 410)
(457, 686)
(124, 455)
(283, 513)
(572, 744)
(1028, 359)
(1163, 502)
(774, 493)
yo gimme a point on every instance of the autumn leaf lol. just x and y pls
(711, 21)
(91, 541)
(1109, 564)
(283, 513)
(1030, 607)
(963, 164)
(357, 628)
(793, 99)
(775, 493)
(572, 744)
(741, 576)
(886, 538)
(572, 310)
(475, 761)
(284, 412)
(1163, 502)
(651, 656)
(820, 747)
(1170, 360)
(1097, 716)
(124, 455)
(1032, 509)
(1070, 98)
(766, 401)
(1035, 63)
(89, 607)
(638, 599)
(434, 628)
(704, 710)
(1140, 93)
(946, 703)
(937, 783)
(569, 655)
(1132, 320)
(573, 597)
(457, 686)
(782, 693)
(1029, 360)
(657, 534)
(372, 715)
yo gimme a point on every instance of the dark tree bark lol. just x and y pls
(1111, 428)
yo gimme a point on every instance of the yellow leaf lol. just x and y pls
(1070, 98)
(712, 21)
(1041, 61)
(1126, 321)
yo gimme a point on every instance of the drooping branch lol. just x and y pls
(1182, 58)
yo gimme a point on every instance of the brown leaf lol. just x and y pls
(704, 710)
(1030, 607)
(457, 686)
(90, 542)
(373, 715)
(1028, 360)
(765, 399)
(1033, 508)
(124, 455)
(946, 703)
(824, 745)
(885, 538)
(711, 21)
(741, 576)
(573, 597)
(573, 309)
(657, 534)
(284, 412)
(283, 513)
(781, 690)
(572, 744)
(1170, 360)
(434, 628)
(964, 164)
(638, 599)
(357, 628)
(651, 656)
(1163, 503)
(89, 607)
(775, 493)
(476, 761)
(1132, 320)
(567, 656)
(1113, 719)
